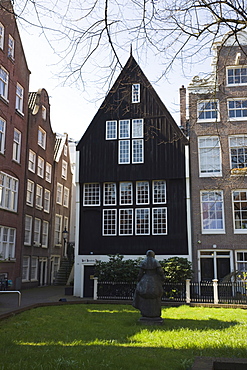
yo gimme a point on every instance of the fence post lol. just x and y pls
(215, 289)
(95, 288)
(188, 291)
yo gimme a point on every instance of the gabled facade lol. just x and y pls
(14, 83)
(38, 209)
(218, 148)
(131, 180)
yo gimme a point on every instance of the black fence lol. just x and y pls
(190, 292)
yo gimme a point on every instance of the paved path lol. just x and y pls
(29, 297)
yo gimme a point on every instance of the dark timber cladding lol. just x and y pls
(164, 159)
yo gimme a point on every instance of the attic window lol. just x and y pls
(43, 113)
(237, 75)
(136, 96)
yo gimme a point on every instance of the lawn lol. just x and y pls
(110, 337)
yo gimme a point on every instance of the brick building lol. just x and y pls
(218, 161)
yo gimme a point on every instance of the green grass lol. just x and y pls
(110, 337)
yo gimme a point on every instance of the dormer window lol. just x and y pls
(136, 93)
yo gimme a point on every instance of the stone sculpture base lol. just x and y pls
(151, 320)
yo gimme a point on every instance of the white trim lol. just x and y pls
(238, 55)
(188, 201)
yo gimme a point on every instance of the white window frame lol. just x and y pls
(241, 260)
(137, 151)
(31, 161)
(59, 197)
(47, 200)
(39, 197)
(238, 143)
(212, 210)
(209, 155)
(206, 112)
(37, 232)
(65, 150)
(11, 47)
(7, 242)
(142, 192)
(48, 172)
(19, 98)
(129, 227)
(64, 169)
(2, 135)
(109, 194)
(1, 36)
(58, 230)
(137, 128)
(159, 191)
(124, 152)
(43, 110)
(235, 76)
(8, 192)
(111, 130)
(25, 268)
(241, 108)
(91, 194)
(109, 222)
(66, 197)
(40, 167)
(157, 227)
(140, 225)
(17, 146)
(34, 268)
(28, 230)
(4, 83)
(124, 129)
(125, 193)
(41, 137)
(240, 211)
(45, 234)
(136, 93)
(30, 193)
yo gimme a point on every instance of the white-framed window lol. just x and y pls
(125, 193)
(137, 151)
(48, 170)
(236, 75)
(8, 192)
(212, 212)
(34, 268)
(142, 192)
(209, 156)
(125, 222)
(66, 197)
(239, 199)
(43, 110)
(124, 129)
(28, 230)
(136, 93)
(17, 146)
(25, 268)
(238, 151)
(159, 191)
(7, 242)
(208, 110)
(11, 47)
(59, 193)
(65, 150)
(37, 232)
(47, 200)
(2, 134)
(124, 151)
(111, 130)
(31, 161)
(30, 193)
(109, 222)
(237, 109)
(40, 167)
(66, 223)
(110, 194)
(142, 221)
(39, 197)
(241, 260)
(91, 194)
(45, 232)
(1, 35)
(137, 128)
(159, 221)
(64, 169)
(41, 138)
(19, 98)
(4, 83)
(58, 230)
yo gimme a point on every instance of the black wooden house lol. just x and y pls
(132, 185)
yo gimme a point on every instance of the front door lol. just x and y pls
(43, 271)
(88, 281)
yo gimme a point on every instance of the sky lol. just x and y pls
(73, 106)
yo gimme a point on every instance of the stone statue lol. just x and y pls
(149, 289)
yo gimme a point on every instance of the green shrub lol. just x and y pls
(177, 269)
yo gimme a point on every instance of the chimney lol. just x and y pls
(182, 92)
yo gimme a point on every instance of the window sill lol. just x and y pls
(3, 99)
(239, 171)
(7, 260)
(19, 113)
(212, 232)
